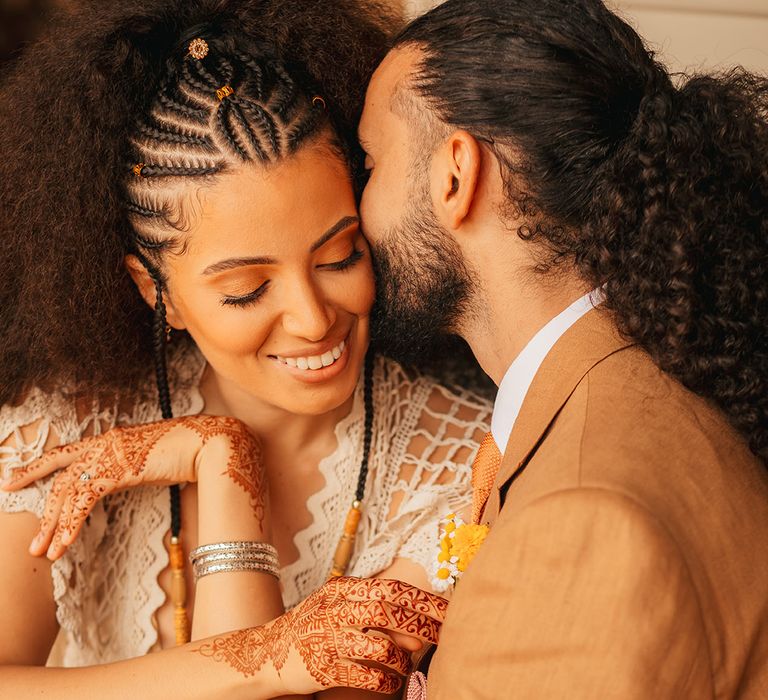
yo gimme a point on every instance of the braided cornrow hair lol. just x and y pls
(111, 86)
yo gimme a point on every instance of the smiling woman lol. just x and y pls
(256, 278)
(183, 195)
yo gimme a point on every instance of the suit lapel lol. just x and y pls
(588, 342)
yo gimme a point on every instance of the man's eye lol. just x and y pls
(344, 264)
(246, 299)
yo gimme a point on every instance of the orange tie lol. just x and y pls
(484, 471)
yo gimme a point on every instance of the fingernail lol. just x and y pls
(36, 542)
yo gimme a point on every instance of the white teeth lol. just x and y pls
(313, 362)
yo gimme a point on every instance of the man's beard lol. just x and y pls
(423, 286)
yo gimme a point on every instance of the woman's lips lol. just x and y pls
(332, 363)
(315, 362)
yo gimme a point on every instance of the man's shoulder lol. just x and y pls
(638, 423)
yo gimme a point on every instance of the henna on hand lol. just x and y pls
(122, 458)
(327, 631)
(244, 467)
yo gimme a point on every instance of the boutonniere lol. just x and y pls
(459, 542)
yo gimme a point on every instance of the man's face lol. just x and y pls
(423, 285)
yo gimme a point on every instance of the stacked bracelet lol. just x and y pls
(234, 556)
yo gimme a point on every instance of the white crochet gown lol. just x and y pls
(106, 586)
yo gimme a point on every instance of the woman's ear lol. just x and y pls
(141, 279)
(455, 175)
(146, 286)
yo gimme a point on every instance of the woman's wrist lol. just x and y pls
(232, 501)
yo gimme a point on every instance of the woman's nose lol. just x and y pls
(307, 314)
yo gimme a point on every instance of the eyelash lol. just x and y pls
(256, 294)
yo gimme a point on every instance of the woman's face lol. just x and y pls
(275, 285)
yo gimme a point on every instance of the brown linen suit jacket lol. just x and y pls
(628, 552)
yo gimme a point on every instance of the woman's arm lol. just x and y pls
(318, 644)
(233, 505)
(176, 673)
(29, 629)
(218, 453)
(29, 625)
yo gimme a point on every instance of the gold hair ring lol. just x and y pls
(225, 91)
(198, 48)
(317, 100)
(136, 169)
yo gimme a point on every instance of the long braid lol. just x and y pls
(367, 425)
(161, 376)
(345, 548)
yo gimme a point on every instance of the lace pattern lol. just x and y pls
(106, 586)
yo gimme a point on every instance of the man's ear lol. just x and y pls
(455, 174)
(146, 286)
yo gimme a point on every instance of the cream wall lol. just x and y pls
(691, 34)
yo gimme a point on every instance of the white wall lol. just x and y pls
(690, 34)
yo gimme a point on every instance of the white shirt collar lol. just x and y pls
(519, 377)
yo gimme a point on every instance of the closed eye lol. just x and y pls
(256, 294)
(246, 299)
(343, 264)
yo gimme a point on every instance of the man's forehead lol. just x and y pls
(393, 74)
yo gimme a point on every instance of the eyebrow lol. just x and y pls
(231, 263)
(338, 227)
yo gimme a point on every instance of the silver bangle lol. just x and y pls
(238, 546)
(234, 556)
(218, 567)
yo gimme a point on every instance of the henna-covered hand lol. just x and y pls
(325, 642)
(165, 452)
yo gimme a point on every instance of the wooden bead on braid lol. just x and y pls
(176, 554)
(346, 545)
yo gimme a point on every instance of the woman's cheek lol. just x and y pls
(230, 329)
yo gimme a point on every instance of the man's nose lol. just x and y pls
(308, 314)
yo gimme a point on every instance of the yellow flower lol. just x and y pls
(459, 543)
(466, 541)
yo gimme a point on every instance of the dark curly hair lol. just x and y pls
(656, 188)
(105, 113)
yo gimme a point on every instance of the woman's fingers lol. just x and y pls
(79, 501)
(51, 461)
(396, 592)
(380, 614)
(351, 675)
(368, 648)
(51, 511)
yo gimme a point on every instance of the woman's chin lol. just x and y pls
(320, 391)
